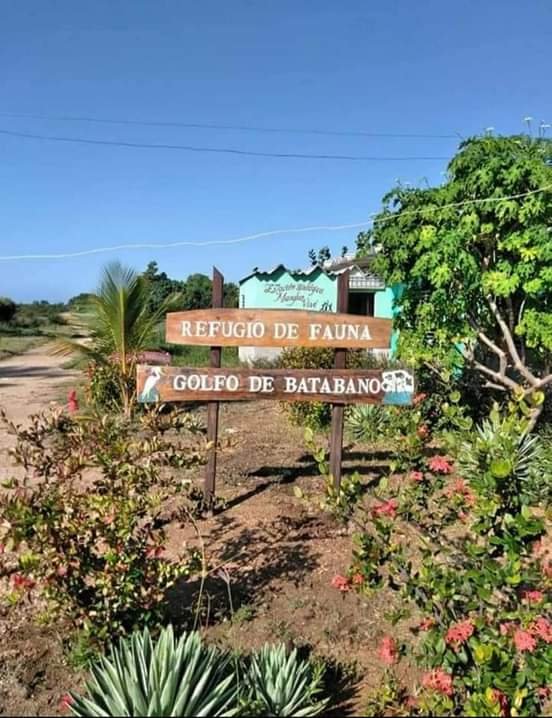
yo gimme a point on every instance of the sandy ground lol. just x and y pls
(28, 383)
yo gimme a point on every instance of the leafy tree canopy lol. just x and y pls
(7, 309)
(474, 257)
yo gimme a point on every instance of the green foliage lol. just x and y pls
(316, 415)
(82, 523)
(103, 387)
(474, 565)
(283, 685)
(7, 309)
(194, 293)
(168, 677)
(120, 324)
(184, 677)
(477, 277)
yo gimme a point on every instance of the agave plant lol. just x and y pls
(169, 677)
(281, 684)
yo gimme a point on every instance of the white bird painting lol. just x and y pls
(149, 393)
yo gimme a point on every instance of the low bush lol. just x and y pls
(317, 415)
(81, 525)
(184, 677)
(7, 309)
(462, 538)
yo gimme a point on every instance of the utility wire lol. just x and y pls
(372, 219)
(239, 128)
(215, 150)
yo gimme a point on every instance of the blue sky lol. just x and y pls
(399, 66)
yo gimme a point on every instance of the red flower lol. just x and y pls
(542, 628)
(438, 680)
(341, 583)
(502, 701)
(22, 583)
(460, 488)
(416, 476)
(66, 702)
(357, 579)
(388, 650)
(533, 596)
(524, 641)
(387, 508)
(459, 633)
(426, 624)
(440, 465)
(72, 401)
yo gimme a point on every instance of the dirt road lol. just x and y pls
(28, 383)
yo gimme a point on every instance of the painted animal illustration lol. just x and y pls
(150, 393)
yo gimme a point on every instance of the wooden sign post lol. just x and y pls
(218, 327)
(213, 406)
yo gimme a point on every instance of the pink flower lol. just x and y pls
(419, 398)
(66, 702)
(502, 701)
(386, 508)
(544, 692)
(357, 579)
(459, 633)
(440, 465)
(341, 583)
(72, 401)
(460, 488)
(438, 680)
(524, 641)
(416, 476)
(388, 650)
(542, 628)
(506, 628)
(533, 596)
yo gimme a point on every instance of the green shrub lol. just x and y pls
(103, 388)
(82, 523)
(313, 414)
(283, 685)
(7, 309)
(171, 677)
(184, 677)
(476, 565)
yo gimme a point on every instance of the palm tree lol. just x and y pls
(120, 325)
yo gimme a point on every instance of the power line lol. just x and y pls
(372, 219)
(215, 150)
(238, 128)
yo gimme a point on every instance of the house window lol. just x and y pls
(361, 303)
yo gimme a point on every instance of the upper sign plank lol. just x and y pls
(277, 328)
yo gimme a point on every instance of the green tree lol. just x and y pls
(120, 324)
(474, 257)
(7, 309)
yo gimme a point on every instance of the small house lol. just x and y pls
(315, 289)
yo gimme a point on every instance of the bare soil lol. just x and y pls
(273, 556)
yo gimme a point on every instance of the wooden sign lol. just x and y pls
(277, 328)
(353, 386)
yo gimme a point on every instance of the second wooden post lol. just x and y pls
(213, 406)
(336, 440)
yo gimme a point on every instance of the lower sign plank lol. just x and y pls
(353, 386)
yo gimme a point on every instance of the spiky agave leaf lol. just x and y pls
(171, 677)
(282, 684)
